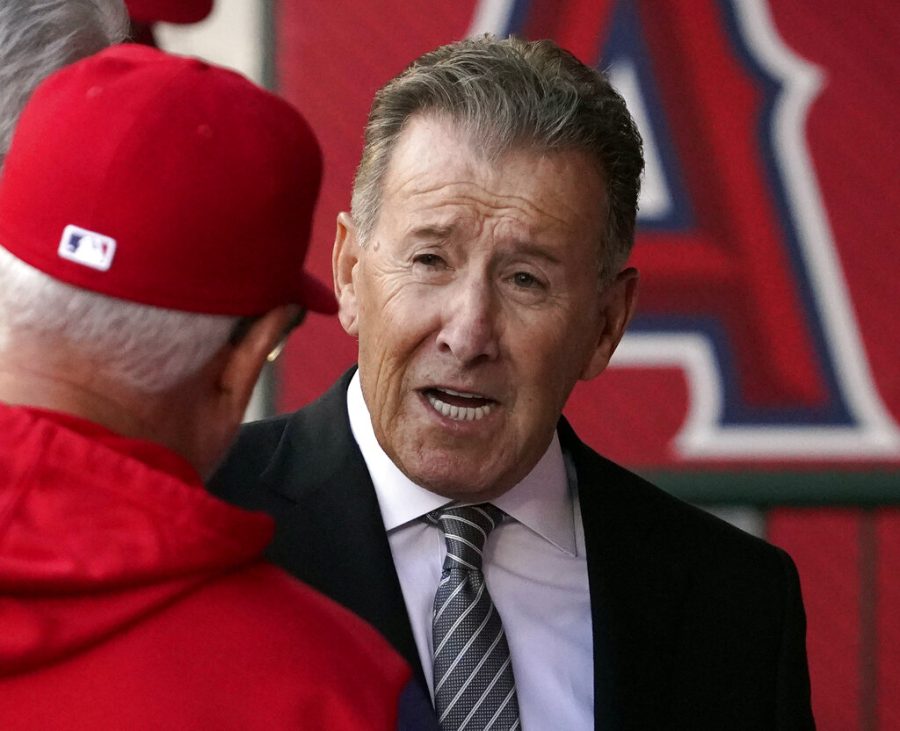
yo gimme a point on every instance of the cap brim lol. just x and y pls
(315, 296)
(169, 11)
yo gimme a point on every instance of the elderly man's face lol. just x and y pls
(477, 307)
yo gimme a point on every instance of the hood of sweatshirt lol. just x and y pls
(98, 531)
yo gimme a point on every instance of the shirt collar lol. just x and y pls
(542, 501)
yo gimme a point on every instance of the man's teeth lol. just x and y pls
(460, 413)
(458, 393)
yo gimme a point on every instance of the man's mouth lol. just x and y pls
(458, 405)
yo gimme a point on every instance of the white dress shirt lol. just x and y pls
(534, 567)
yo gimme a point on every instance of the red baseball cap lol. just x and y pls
(166, 181)
(168, 11)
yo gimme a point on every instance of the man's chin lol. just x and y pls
(456, 480)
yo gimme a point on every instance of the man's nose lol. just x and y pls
(469, 329)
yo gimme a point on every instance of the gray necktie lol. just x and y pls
(474, 686)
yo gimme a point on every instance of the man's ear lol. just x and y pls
(344, 260)
(617, 304)
(243, 361)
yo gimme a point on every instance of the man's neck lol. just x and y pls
(78, 388)
(30, 387)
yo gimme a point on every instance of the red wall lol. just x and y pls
(728, 266)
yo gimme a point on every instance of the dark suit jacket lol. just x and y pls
(696, 625)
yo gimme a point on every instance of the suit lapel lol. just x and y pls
(333, 535)
(637, 595)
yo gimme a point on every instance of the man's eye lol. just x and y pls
(429, 260)
(525, 280)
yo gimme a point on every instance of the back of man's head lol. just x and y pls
(149, 204)
(39, 37)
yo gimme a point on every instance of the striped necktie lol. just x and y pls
(474, 686)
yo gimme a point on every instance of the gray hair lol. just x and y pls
(149, 349)
(506, 94)
(37, 37)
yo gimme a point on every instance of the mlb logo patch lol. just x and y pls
(87, 248)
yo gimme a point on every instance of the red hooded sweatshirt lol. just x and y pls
(131, 599)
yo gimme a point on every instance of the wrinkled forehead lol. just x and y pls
(438, 160)
(490, 139)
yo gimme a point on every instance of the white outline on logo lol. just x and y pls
(703, 435)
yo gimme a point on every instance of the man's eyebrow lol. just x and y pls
(433, 232)
(529, 248)
(430, 232)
